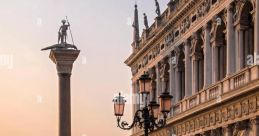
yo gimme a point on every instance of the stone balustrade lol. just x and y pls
(214, 92)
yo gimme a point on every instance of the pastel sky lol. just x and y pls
(28, 80)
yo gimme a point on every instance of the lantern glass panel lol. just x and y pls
(145, 85)
(165, 103)
(119, 109)
(119, 104)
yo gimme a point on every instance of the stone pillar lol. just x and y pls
(237, 50)
(215, 69)
(64, 59)
(207, 57)
(172, 77)
(241, 49)
(188, 69)
(256, 28)
(228, 130)
(158, 81)
(177, 84)
(195, 77)
(255, 126)
(230, 41)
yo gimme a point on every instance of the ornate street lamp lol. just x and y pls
(144, 84)
(147, 117)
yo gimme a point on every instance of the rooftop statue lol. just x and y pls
(145, 21)
(158, 12)
(62, 38)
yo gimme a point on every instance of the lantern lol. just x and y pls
(165, 102)
(119, 104)
(145, 84)
(154, 109)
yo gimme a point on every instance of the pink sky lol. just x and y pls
(29, 85)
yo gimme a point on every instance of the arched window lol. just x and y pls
(197, 62)
(246, 33)
(179, 72)
(221, 53)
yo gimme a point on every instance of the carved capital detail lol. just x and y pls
(64, 59)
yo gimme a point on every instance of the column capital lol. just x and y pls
(227, 128)
(64, 59)
(230, 7)
(187, 42)
(206, 26)
(254, 120)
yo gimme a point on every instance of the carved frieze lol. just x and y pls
(218, 117)
(226, 113)
(245, 107)
(230, 112)
(252, 105)
(237, 110)
(212, 118)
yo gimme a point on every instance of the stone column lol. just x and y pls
(195, 77)
(228, 130)
(215, 69)
(237, 50)
(255, 126)
(188, 69)
(241, 49)
(177, 84)
(230, 41)
(256, 28)
(64, 59)
(158, 81)
(207, 57)
(172, 77)
(134, 97)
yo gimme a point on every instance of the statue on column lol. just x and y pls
(62, 38)
(158, 12)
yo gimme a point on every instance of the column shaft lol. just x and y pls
(215, 69)
(207, 58)
(177, 85)
(241, 49)
(255, 126)
(158, 81)
(188, 70)
(195, 77)
(228, 130)
(64, 105)
(172, 79)
(230, 41)
(256, 28)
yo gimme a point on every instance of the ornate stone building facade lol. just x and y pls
(200, 51)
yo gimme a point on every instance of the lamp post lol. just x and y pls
(146, 118)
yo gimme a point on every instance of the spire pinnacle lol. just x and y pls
(136, 27)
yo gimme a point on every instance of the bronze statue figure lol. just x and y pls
(62, 38)
(62, 33)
